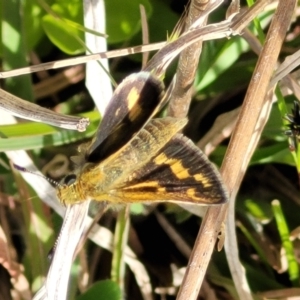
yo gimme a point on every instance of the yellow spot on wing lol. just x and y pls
(191, 193)
(132, 98)
(203, 179)
(179, 170)
(144, 184)
(161, 159)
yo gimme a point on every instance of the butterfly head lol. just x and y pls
(69, 190)
(87, 182)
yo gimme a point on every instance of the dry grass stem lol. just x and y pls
(58, 275)
(221, 129)
(145, 34)
(280, 294)
(182, 246)
(30, 111)
(54, 84)
(187, 66)
(81, 60)
(289, 64)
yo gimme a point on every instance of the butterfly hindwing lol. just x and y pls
(134, 102)
(178, 172)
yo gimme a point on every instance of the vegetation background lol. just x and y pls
(267, 206)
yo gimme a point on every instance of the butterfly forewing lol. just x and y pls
(156, 165)
(134, 102)
(102, 178)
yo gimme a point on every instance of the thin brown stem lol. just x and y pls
(187, 66)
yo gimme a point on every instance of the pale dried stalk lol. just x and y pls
(94, 17)
(54, 84)
(221, 129)
(76, 215)
(288, 293)
(145, 34)
(237, 158)
(231, 247)
(290, 63)
(30, 111)
(178, 241)
(292, 84)
(187, 66)
(58, 275)
(80, 60)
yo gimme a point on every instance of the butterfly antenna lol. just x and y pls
(22, 169)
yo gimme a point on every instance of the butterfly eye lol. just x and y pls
(70, 179)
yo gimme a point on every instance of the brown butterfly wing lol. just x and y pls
(179, 172)
(134, 102)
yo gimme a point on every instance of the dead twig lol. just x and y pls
(187, 66)
(30, 111)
